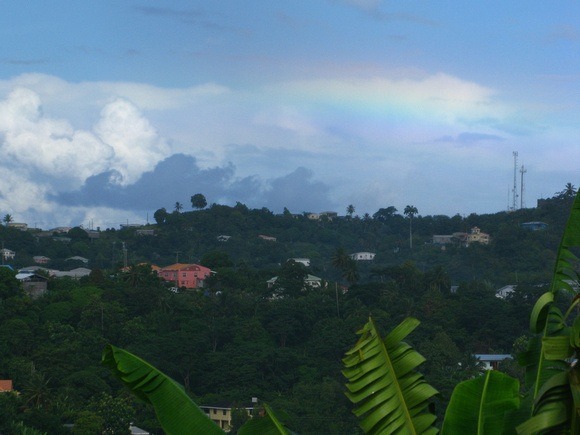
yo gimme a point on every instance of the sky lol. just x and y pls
(111, 110)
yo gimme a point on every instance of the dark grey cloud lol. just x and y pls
(298, 192)
(179, 176)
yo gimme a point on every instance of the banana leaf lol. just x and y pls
(547, 359)
(478, 406)
(389, 394)
(565, 271)
(176, 412)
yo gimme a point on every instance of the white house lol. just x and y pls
(7, 254)
(304, 261)
(491, 361)
(363, 256)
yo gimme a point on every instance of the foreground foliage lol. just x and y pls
(392, 397)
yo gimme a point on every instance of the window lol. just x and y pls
(224, 412)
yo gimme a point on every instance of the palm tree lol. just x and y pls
(410, 211)
(340, 259)
(569, 191)
(7, 219)
(350, 210)
(178, 207)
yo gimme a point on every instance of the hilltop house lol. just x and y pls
(363, 256)
(304, 261)
(184, 275)
(310, 281)
(7, 254)
(491, 361)
(474, 236)
(477, 236)
(5, 385)
(33, 284)
(41, 259)
(534, 226)
(78, 258)
(221, 414)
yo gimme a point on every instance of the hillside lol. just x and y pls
(239, 338)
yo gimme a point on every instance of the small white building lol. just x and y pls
(78, 258)
(505, 291)
(304, 261)
(363, 256)
(7, 254)
(491, 361)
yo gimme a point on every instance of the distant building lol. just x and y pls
(304, 261)
(221, 414)
(145, 232)
(310, 281)
(505, 291)
(267, 238)
(184, 275)
(7, 254)
(6, 385)
(18, 225)
(41, 259)
(534, 226)
(491, 361)
(223, 238)
(477, 236)
(330, 215)
(78, 258)
(77, 273)
(442, 239)
(33, 284)
(363, 256)
(61, 230)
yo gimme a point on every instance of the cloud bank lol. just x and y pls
(115, 151)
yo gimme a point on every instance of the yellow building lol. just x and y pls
(476, 235)
(222, 415)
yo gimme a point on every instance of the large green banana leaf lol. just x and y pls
(478, 406)
(548, 372)
(391, 396)
(176, 412)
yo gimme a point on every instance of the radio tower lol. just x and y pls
(522, 172)
(515, 188)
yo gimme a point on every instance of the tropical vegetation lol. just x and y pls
(234, 340)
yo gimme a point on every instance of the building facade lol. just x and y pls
(184, 275)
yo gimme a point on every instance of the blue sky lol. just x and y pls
(110, 110)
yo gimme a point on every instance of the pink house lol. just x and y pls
(184, 275)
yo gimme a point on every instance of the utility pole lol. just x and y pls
(522, 172)
(515, 188)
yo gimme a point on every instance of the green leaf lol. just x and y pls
(540, 312)
(548, 372)
(390, 395)
(478, 406)
(176, 412)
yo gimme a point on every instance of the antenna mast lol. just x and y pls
(515, 188)
(522, 172)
